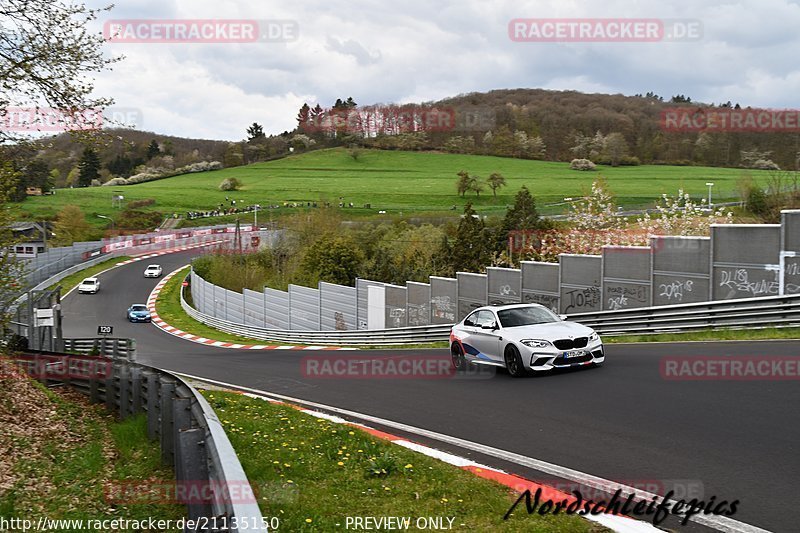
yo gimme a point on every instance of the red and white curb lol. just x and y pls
(615, 522)
(168, 251)
(162, 325)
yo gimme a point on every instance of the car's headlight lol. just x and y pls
(593, 337)
(536, 343)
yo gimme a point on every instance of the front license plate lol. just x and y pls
(573, 353)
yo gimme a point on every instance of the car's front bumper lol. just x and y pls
(152, 275)
(139, 318)
(544, 359)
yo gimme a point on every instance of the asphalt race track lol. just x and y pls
(735, 439)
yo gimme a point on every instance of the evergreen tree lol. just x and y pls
(89, 167)
(38, 175)
(256, 131)
(153, 150)
(522, 216)
(471, 249)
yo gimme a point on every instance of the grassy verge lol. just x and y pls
(310, 474)
(73, 280)
(62, 461)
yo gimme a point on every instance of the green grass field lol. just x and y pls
(411, 183)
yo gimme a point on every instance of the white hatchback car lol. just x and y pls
(523, 338)
(89, 285)
(152, 271)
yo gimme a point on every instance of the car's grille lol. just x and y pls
(569, 344)
(561, 361)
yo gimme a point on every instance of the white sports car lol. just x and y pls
(523, 338)
(152, 271)
(89, 285)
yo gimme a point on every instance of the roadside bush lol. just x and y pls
(624, 161)
(233, 271)
(134, 219)
(757, 201)
(582, 164)
(136, 204)
(113, 182)
(230, 184)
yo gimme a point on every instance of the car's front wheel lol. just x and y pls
(514, 362)
(457, 354)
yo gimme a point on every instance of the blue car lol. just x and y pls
(138, 313)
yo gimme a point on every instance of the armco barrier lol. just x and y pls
(108, 346)
(191, 436)
(743, 313)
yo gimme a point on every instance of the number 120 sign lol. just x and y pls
(105, 330)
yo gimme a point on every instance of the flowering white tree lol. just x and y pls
(595, 223)
(680, 215)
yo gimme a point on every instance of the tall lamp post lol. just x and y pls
(709, 185)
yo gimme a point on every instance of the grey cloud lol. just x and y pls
(355, 49)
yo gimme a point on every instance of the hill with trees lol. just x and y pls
(551, 125)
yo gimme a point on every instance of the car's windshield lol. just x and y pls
(152, 267)
(87, 282)
(525, 316)
(139, 308)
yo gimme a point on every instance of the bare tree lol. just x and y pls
(47, 58)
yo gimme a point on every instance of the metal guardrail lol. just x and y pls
(740, 313)
(191, 436)
(108, 346)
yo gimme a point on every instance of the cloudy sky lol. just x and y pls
(413, 51)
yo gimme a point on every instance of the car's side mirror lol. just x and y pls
(562, 317)
(492, 326)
